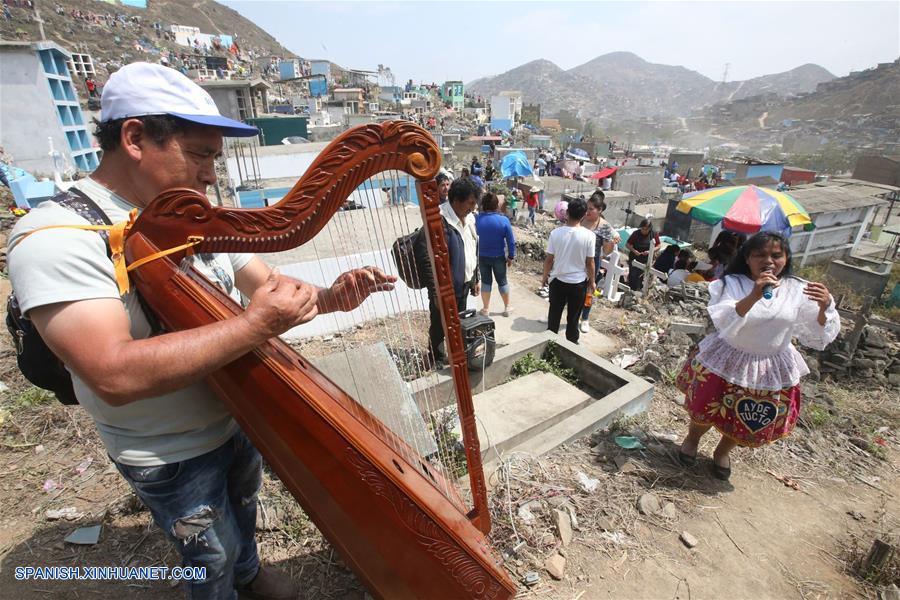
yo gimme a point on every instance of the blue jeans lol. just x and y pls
(491, 266)
(207, 506)
(531, 210)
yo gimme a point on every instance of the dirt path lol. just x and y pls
(736, 90)
(759, 540)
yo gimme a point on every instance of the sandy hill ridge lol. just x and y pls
(865, 97)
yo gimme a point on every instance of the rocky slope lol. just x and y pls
(622, 85)
(129, 42)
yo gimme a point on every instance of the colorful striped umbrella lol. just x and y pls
(746, 209)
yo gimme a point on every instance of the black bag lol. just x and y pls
(478, 339)
(36, 361)
(411, 257)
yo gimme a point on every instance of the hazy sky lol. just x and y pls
(436, 41)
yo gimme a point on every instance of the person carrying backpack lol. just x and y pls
(166, 431)
(462, 247)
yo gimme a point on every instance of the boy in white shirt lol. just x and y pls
(569, 267)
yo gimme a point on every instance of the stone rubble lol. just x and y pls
(648, 504)
(556, 566)
(877, 358)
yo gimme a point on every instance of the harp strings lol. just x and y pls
(400, 318)
(438, 417)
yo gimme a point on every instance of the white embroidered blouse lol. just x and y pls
(755, 351)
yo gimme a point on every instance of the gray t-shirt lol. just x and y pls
(66, 265)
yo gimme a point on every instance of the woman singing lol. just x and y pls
(744, 378)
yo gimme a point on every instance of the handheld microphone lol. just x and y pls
(768, 289)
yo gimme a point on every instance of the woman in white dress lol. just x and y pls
(744, 378)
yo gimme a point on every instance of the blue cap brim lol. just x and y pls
(229, 127)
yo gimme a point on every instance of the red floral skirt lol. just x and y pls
(749, 417)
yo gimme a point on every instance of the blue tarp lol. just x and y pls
(515, 164)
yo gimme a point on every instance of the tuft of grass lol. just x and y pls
(32, 397)
(624, 424)
(671, 374)
(858, 546)
(549, 362)
(452, 451)
(816, 416)
(888, 313)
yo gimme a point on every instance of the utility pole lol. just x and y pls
(725, 73)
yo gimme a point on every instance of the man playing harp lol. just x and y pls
(169, 435)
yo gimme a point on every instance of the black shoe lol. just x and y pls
(720, 473)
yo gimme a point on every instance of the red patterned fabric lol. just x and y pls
(749, 417)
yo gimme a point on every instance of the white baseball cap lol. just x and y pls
(139, 89)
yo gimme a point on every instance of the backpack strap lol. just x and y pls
(82, 204)
(113, 234)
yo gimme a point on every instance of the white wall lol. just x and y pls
(836, 235)
(291, 162)
(500, 108)
(28, 115)
(183, 32)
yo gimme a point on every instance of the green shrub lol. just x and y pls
(548, 363)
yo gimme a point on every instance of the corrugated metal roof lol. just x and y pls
(762, 181)
(835, 196)
(872, 184)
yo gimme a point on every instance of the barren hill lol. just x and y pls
(622, 85)
(128, 42)
(544, 82)
(647, 89)
(802, 79)
(873, 93)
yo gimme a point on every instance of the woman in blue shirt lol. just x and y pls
(496, 251)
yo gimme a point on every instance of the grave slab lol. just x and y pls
(369, 374)
(515, 411)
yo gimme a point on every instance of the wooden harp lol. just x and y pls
(395, 516)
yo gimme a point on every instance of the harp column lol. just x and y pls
(446, 299)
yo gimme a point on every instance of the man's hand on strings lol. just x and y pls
(281, 303)
(351, 289)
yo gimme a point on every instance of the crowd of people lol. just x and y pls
(688, 182)
(111, 20)
(743, 379)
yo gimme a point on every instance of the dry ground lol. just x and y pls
(790, 524)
